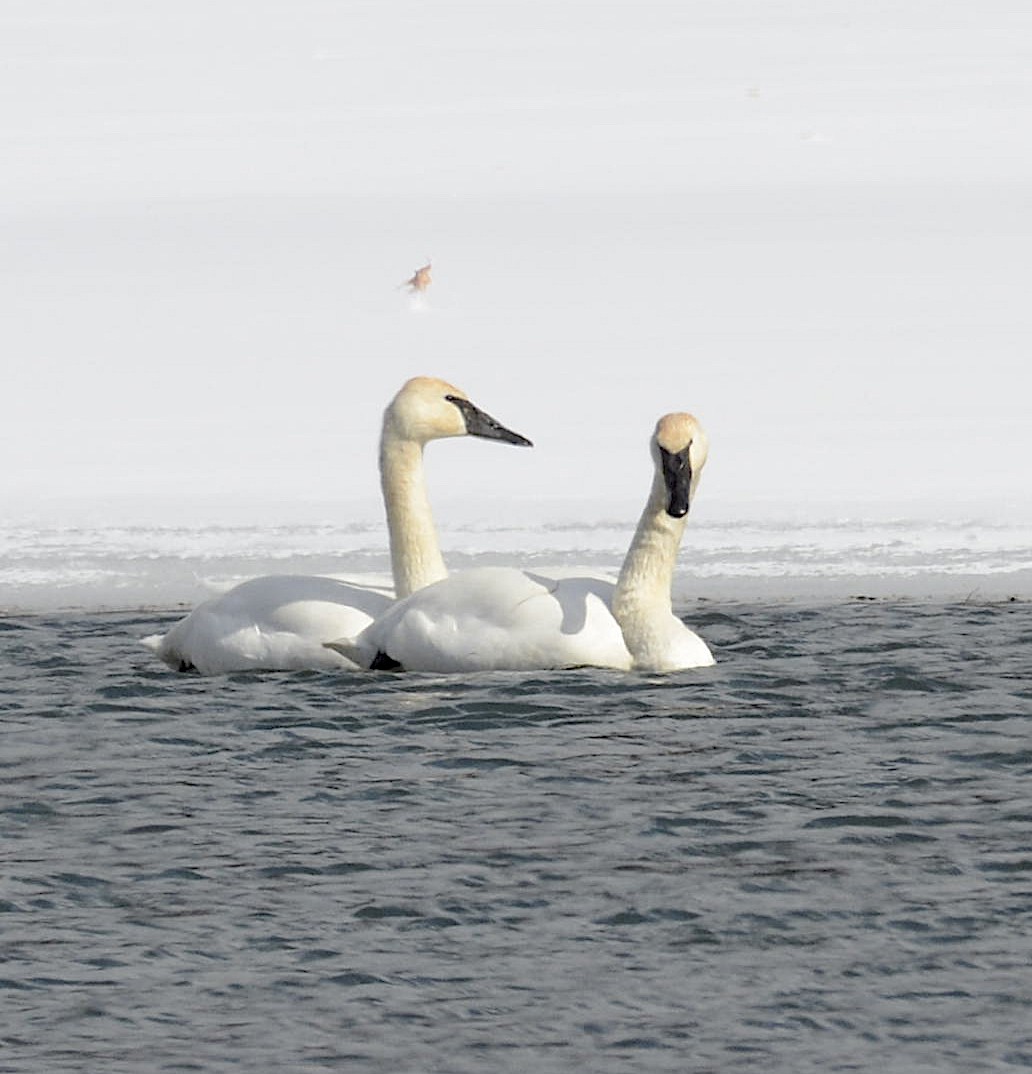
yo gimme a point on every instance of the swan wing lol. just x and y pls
(279, 622)
(498, 618)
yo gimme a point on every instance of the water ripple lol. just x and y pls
(812, 857)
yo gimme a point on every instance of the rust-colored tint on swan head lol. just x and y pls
(681, 447)
(428, 408)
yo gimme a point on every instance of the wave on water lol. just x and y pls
(53, 566)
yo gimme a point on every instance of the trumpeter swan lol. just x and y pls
(500, 618)
(282, 621)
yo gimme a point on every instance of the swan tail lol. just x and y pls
(158, 644)
(348, 647)
(153, 642)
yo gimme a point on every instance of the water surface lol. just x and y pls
(812, 857)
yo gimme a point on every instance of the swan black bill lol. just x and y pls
(677, 476)
(480, 423)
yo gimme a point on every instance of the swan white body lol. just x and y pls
(282, 622)
(495, 618)
(278, 622)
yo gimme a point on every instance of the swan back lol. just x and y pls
(276, 622)
(494, 618)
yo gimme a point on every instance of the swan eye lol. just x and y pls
(464, 406)
(677, 462)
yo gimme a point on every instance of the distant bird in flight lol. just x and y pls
(420, 279)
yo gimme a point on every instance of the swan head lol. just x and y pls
(427, 408)
(679, 449)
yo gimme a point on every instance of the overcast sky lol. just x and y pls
(806, 221)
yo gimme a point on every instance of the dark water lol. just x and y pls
(815, 857)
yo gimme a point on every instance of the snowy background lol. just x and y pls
(807, 221)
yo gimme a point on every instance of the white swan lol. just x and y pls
(500, 618)
(282, 621)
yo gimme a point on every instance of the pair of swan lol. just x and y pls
(489, 618)
(504, 619)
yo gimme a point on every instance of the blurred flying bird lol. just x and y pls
(420, 279)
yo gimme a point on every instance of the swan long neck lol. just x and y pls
(642, 602)
(416, 559)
